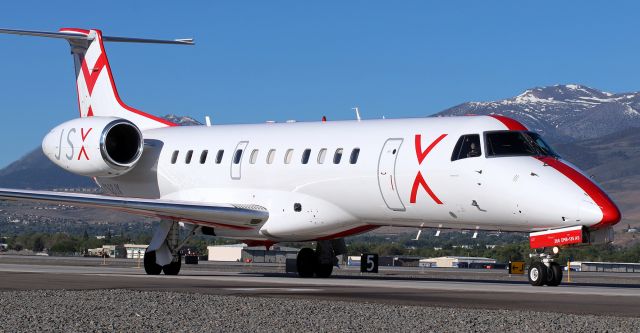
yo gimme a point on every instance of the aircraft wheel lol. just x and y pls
(173, 268)
(554, 277)
(306, 262)
(150, 266)
(537, 274)
(323, 270)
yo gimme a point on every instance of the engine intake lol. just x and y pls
(121, 144)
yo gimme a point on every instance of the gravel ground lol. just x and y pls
(145, 311)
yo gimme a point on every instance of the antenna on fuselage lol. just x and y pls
(357, 108)
(207, 121)
(419, 232)
(475, 234)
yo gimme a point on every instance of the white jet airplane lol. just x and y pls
(315, 181)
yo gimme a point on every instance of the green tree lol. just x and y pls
(64, 246)
(38, 244)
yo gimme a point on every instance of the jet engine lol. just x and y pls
(95, 146)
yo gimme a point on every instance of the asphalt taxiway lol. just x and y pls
(596, 294)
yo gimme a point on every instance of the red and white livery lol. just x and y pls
(322, 181)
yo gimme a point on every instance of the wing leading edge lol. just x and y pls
(230, 216)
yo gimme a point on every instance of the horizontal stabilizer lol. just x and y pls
(79, 34)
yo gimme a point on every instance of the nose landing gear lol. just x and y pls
(545, 271)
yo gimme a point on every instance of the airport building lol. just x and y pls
(129, 251)
(135, 251)
(243, 253)
(457, 262)
(593, 266)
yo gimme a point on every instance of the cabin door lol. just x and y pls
(236, 159)
(387, 174)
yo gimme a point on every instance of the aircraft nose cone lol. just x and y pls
(610, 212)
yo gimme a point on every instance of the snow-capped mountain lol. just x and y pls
(563, 113)
(182, 120)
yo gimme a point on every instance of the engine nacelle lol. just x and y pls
(95, 146)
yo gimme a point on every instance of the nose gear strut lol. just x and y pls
(545, 271)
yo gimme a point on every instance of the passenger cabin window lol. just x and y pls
(467, 146)
(321, 155)
(254, 156)
(354, 156)
(203, 156)
(187, 158)
(174, 156)
(237, 156)
(219, 156)
(271, 156)
(337, 156)
(287, 156)
(512, 143)
(305, 156)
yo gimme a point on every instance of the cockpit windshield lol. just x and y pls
(512, 143)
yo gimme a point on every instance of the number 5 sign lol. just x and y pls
(369, 263)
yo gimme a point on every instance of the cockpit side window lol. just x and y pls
(467, 146)
(542, 145)
(516, 143)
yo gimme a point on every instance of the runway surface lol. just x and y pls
(440, 288)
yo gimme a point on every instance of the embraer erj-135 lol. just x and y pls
(315, 181)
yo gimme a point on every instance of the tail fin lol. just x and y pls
(97, 93)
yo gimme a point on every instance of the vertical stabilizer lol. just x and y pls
(97, 93)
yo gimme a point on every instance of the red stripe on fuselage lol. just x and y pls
(350, 232)
(511, 124)
(610, 212)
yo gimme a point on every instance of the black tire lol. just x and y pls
(306, 262)
(537, 274)
(150, 266)
(554, 277)
(173, 268)
(323, 270)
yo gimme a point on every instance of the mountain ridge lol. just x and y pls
(563, 113)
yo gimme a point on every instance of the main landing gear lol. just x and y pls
(152, 268)
(163, 254)
(546, 271)
(319, 263)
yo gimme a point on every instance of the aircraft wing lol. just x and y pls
(224, 215)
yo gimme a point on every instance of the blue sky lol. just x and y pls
(277, 60)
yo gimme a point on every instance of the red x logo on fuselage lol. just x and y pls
(419, 181)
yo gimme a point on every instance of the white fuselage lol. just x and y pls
(397, 180)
